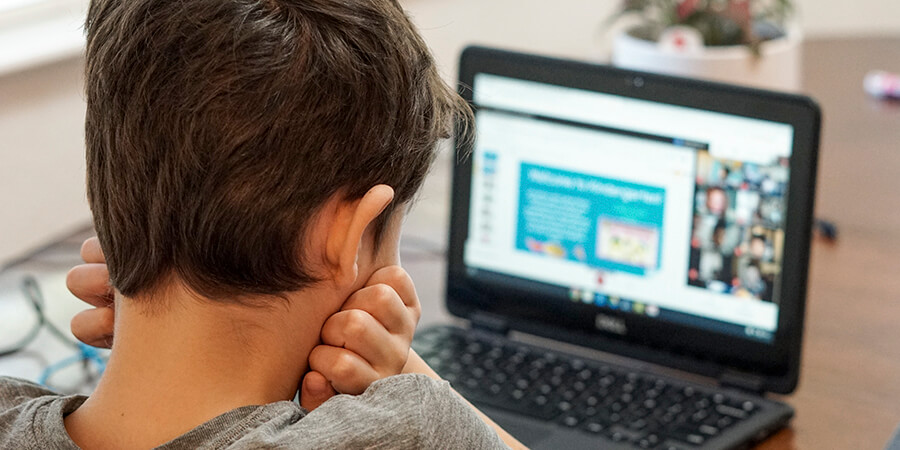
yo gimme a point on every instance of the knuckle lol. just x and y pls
(383, 291)
(356, 324)
(395, 273)
(386, 301)
(344, 367)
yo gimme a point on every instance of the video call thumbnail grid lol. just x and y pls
(738, 227)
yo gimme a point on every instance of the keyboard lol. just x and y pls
(598, 398)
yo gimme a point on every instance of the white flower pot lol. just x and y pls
(776, 68)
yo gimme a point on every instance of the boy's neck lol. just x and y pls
(191, 360)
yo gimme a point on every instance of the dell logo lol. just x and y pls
(611, 324)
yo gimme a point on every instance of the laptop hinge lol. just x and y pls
(489, 322)
(742, 381)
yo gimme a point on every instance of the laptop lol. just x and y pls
(629, 252)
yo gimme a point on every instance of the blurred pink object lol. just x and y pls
(739, 12)
(881, 84)
(686, 8)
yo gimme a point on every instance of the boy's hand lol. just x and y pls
(90, 283)
(369, 338)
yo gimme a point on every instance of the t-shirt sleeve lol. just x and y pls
(453, 422)
(15, 391)
(403, 411)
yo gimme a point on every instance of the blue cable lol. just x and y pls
(86, 353)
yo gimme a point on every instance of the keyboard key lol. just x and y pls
(593, 426)
(695, 439)
(639, 424)
(570, 420)
(726, 410)
(620, 433)
(724, 422)
(648, 441)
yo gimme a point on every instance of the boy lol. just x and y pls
(249, 162)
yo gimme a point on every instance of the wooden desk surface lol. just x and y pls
(849, 393)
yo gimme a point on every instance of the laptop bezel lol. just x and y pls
(776, 365)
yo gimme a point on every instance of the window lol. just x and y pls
(37, 32)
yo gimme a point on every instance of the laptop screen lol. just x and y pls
(668, 212)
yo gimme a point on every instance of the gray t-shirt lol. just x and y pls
(403, 412)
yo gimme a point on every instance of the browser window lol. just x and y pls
(631, 205)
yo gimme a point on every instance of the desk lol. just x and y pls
(849, 393)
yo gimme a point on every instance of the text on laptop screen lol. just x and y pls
(664, 211)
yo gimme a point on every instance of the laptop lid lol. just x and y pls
(655, 217)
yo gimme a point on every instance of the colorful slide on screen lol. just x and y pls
(609, 224)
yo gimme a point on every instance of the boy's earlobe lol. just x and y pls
(345, 236)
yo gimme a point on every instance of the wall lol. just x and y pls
(574, 27)
(41, 156)
(42, 109)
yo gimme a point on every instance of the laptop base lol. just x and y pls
(550, 399)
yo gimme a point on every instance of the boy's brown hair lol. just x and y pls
(217, 128)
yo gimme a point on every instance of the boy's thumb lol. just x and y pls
(315, 390)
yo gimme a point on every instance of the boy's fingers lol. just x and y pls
(94, 327)
(315, 390)
(359, 332)
(397, 278)
(402, 284)
(383, 303)
(348, 372)
(90, 283)
(91, 251)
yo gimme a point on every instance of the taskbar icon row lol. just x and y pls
(613, 302)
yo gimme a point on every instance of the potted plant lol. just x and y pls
(748, 42)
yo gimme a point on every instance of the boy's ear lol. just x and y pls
(346, 233)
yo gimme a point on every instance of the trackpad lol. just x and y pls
(528, 432)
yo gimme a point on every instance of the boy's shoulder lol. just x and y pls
(14, 392)
(13, 389)
(27, 411)
(403, 411)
